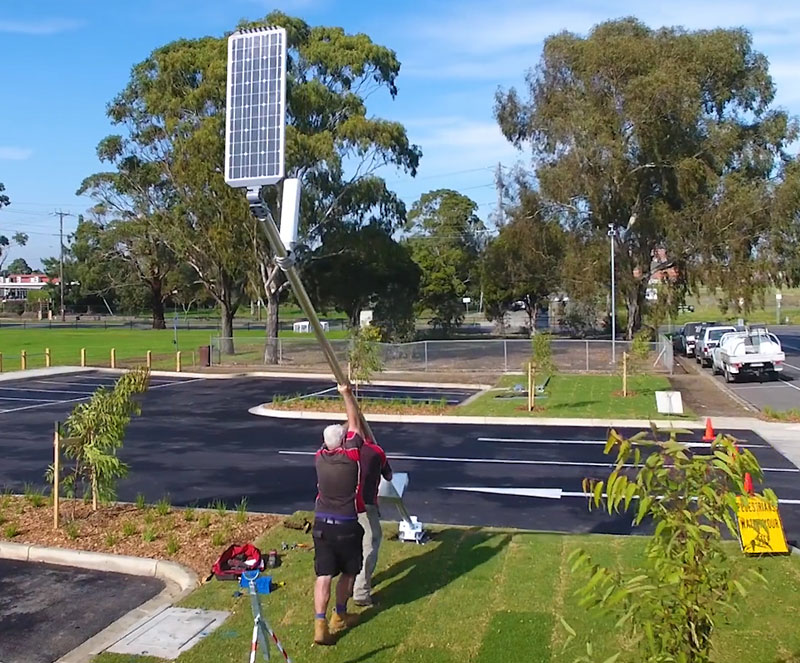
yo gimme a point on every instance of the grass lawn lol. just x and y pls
(65, 344)
(596, 396)
(479, 596)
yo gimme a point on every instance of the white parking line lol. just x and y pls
(513, 440)
(42, 391)
(513, 461)
(34, 400)
(85, 397)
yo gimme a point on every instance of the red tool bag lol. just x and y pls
(237, 559)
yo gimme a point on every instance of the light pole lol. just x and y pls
(612, 233)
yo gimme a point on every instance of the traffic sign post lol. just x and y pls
(778, 302)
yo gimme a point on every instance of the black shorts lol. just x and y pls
(337, 548)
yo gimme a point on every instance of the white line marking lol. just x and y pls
(513, 461)
(31, 400)
(43, 391)
(793, 386)
(512, 440)
(87, 397)
(544, 493)
(83, 384)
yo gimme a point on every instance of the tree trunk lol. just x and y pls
(273, 304)
(226, 342)
(158, 307)
(634, 300)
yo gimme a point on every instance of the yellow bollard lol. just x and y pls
(47, 357)
(83, 357)
(149, 359)
(113, 357)
(23, 360)
(178, 361)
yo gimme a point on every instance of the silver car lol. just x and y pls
(708, 340)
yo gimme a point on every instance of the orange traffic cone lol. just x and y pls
(748, 483)
(709, 435)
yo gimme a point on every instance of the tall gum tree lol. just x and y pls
(668, 137)
(333, 146)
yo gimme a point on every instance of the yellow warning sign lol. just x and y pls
(760, 527)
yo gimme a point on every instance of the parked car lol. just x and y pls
(754, 352)
(708, 340)
(687, 336)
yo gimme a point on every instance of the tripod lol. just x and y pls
(260, 626)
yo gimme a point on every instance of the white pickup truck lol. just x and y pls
(751, 352)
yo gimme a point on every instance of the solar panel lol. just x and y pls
(256, 107)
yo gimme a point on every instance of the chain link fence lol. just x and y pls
(473, 356)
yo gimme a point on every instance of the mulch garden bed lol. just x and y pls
(367, 406)
(193, 537)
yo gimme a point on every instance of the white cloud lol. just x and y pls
(49, 26)
(15, 153)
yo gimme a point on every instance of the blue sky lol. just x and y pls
(63, 61)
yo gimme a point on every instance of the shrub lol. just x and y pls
(204, 521)
(220, 507)
(163, 506)
(72, 530)
(149, 534)
(218, 538)
(11, 530)
(128, 528)
(172, 545)
(141, 503)
(34, 495)
(365, 354)
(670, 606)
(110, 539)
(241, 511)
(188, 514)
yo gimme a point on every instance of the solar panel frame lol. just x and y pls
(256, 107)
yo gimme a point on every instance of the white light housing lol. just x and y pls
(290, 212)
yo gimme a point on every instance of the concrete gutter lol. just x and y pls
(179, 582)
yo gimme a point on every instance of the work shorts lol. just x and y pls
(337, 548)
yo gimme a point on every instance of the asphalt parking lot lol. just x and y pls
(196, 442)
(47, 611)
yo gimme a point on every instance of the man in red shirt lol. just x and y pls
(374, 465)
(337, 532)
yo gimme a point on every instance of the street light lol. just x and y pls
(612, 233)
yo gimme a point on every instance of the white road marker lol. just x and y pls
(545, 493)
(42, 391)
(513, 440)
(511, 461)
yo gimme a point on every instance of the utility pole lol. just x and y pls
(499, 182)
(612, 233)
(61, 216)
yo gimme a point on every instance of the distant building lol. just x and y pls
(15, 287)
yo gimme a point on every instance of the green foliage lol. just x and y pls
(149, 517)
(17, 239)
(188, 514)
(542, 353)
(523, 263)
(220, 507)
(128, 528)
(445, 240)
(218, 538)
(173, 546)
(671, 605)
(204, 521)
(163, 506)
(110, 539)
(141, 502)
(365, 354)
(149, 534)
(771, 414)
(34, 495)
(705, 185)
(11, 530)
(94, 434)
(72, 530)
(241, 511)
(20, 266)
(356, 268)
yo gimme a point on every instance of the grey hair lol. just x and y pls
(333, 436)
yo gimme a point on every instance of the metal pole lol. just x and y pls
(61, 216)
(260, 210)
(612, 232)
